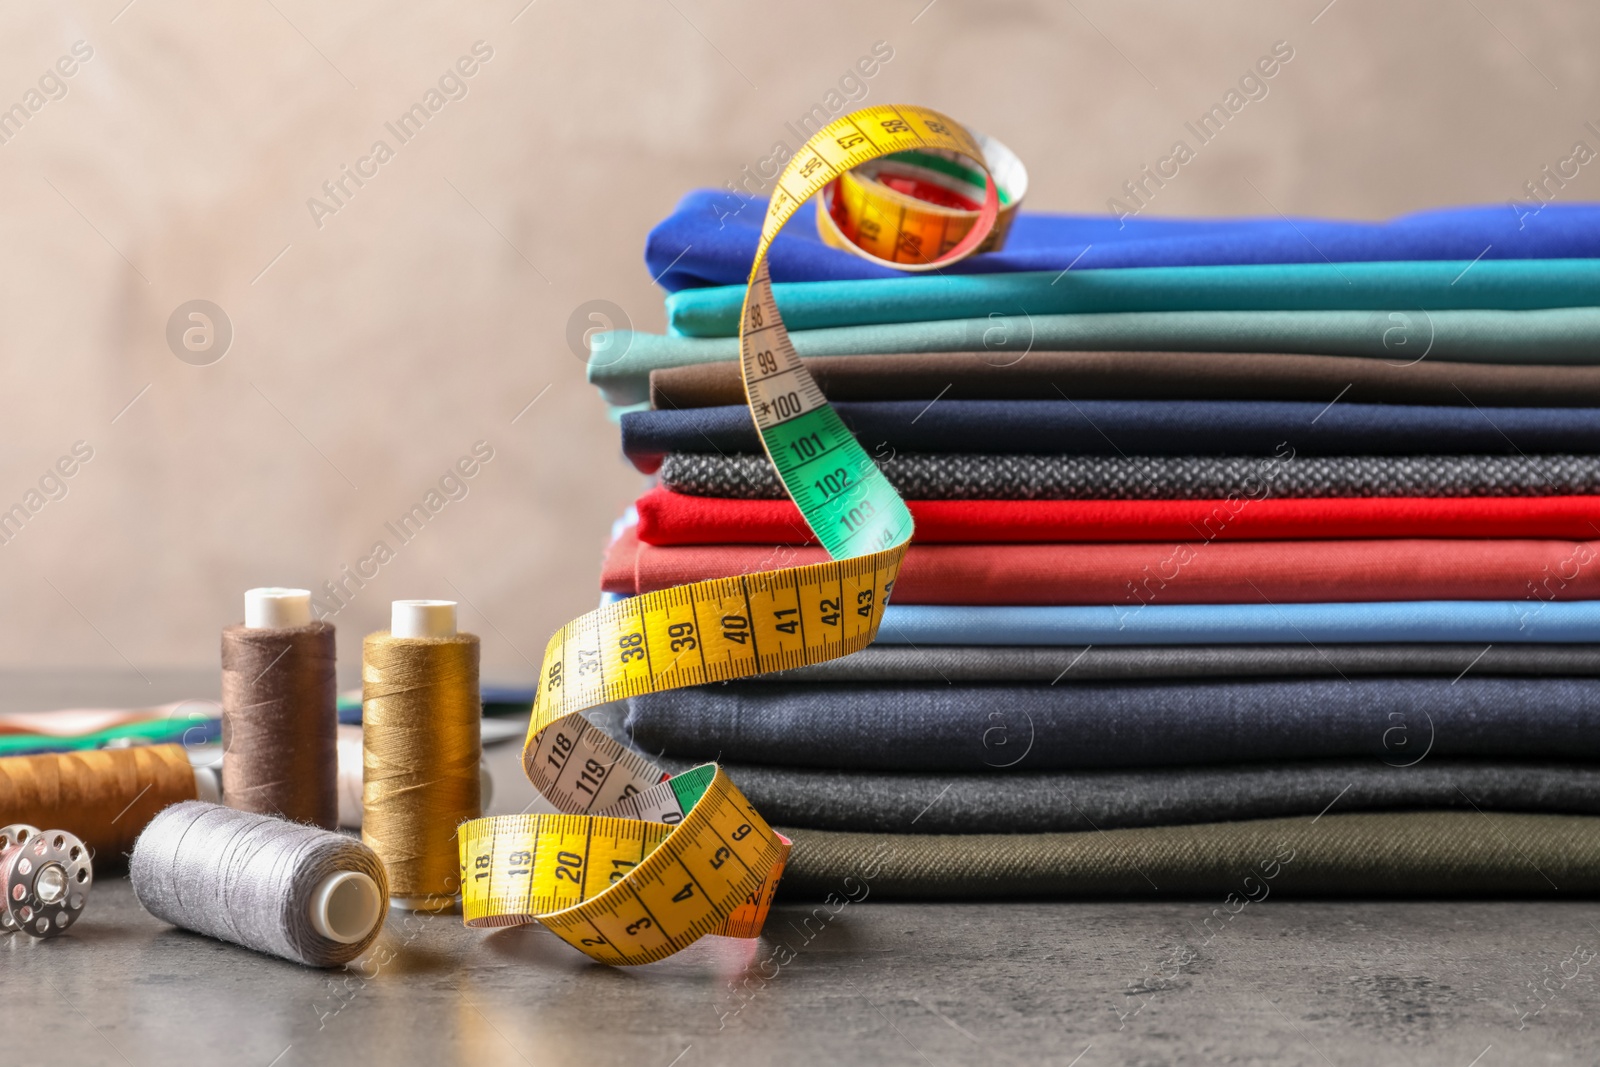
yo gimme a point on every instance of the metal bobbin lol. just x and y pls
(45, 878)
(10, 837)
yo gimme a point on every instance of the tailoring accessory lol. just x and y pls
(45, 878)
(421, 748)
(278, 710)
(351, 775)
(710, 863)
(910, 210)
(306, 894)
(102, 797)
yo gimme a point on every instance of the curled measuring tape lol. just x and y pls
(909, 210)
(642, 864)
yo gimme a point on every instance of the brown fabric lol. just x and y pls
(1151, 376)
(1431, 853)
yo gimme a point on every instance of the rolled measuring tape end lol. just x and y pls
(909, 209)
(639, 864)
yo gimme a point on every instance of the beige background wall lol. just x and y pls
(371, 352)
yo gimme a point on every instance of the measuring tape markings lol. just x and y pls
(865, 212)
(640, 865)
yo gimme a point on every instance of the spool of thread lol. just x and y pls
(307, 895)
(420, 749)
(103, 797)
(350, 779)
(279, 710)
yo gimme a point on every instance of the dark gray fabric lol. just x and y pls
(981, 476)
(1425, 853)
(1065, 665)
(910, 727)
(1023, 802)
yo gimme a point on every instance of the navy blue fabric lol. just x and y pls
(972, 728)
(710, 239)
(1142, 427)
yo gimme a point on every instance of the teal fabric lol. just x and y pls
(1504, 284)
(620, 361)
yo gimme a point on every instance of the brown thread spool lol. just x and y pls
(279, 710)
(420, 749)
(103, 797)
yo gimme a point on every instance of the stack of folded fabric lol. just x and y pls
(1239, 545)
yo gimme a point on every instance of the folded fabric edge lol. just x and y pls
(1433, 853)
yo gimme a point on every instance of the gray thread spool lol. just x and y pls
(307, 895)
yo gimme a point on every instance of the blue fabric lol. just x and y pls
(620, 361)
(1475, 621)
(1511, 284)
(1142, 427)
(710, 239)
(1040, 727)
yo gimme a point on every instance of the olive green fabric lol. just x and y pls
(1434, 853)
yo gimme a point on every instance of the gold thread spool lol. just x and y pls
(420, 751)
(105, 797)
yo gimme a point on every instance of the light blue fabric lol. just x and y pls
(1504, 284)
(620, 361)
(1476, 621)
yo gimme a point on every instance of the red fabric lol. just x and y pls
(668, 518)
(1239, 572)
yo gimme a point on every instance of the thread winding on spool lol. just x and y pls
(279, 710)
(103, 797)
(421, 748)
(298, 892)
(351, 784)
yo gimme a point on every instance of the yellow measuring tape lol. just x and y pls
(642, 864)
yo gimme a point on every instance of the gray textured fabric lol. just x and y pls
(1424, 853)
(1028, 803)
(977, 728)
(979, 476)
(1064, 665)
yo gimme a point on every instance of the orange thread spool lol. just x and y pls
(104, 797)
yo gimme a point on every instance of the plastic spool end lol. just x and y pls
(275, 608)
(422, 618)
(207, 785)
(345, 907)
